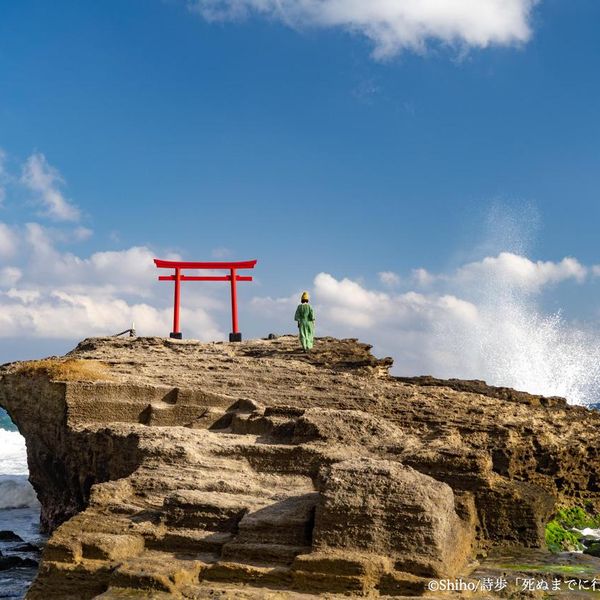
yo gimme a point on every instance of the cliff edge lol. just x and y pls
(251, 470)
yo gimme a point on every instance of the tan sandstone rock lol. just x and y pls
(252, 470)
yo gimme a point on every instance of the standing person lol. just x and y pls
(305, 316)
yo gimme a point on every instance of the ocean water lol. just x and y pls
(19, 509)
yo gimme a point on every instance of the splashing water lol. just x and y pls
(541, 354)
(15, 489)
(513, 343)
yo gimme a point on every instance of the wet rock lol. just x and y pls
(9, 536)
(593, 549)
(15, 562)
(26, 547)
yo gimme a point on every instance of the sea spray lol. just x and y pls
(511, 342)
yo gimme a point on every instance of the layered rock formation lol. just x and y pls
(252, 470)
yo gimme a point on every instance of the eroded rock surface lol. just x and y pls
(253, 470)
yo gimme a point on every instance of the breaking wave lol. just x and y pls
(518, 346)
(15, 489)
(16, 492)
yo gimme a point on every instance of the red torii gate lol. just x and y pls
(233, 277)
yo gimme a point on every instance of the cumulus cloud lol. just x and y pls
(521, 272)
(57, 314)
(393, 25)
(56, 294)
(45, 181)
(349, 303)
(513, 271)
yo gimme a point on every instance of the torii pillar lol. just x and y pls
(177, 277)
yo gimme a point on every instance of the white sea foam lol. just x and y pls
(13, 453)
(15, 489)
(592, 535)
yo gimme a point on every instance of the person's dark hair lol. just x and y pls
(304, 301)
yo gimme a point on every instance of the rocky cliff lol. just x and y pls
(255, 471)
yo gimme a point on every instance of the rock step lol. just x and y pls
(191, 541)
(231, 572)
(289, 521)
(283, 459)
(213, 511)
(257, 424)
(160, 571)
(262, 553)
(128, 411)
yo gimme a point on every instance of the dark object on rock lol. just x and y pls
(26, 547)
(9, 536)
(15, 562)
(272, 336)
(593, 550)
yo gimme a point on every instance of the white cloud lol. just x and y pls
(8, 241)
(389, 278)
(129, 271)
(348, 303)
(520, 272)
(45, 180)
(25, 296)
(58, 294)
(393, 25)
(58, 314)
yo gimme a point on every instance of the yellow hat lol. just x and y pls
(305, 296)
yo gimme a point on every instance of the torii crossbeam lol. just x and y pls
(233, 277)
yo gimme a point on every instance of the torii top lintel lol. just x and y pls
(233, 277)
(178, 264)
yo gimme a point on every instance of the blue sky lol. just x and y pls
(316, 141)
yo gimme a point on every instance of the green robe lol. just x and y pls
(305, 315)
